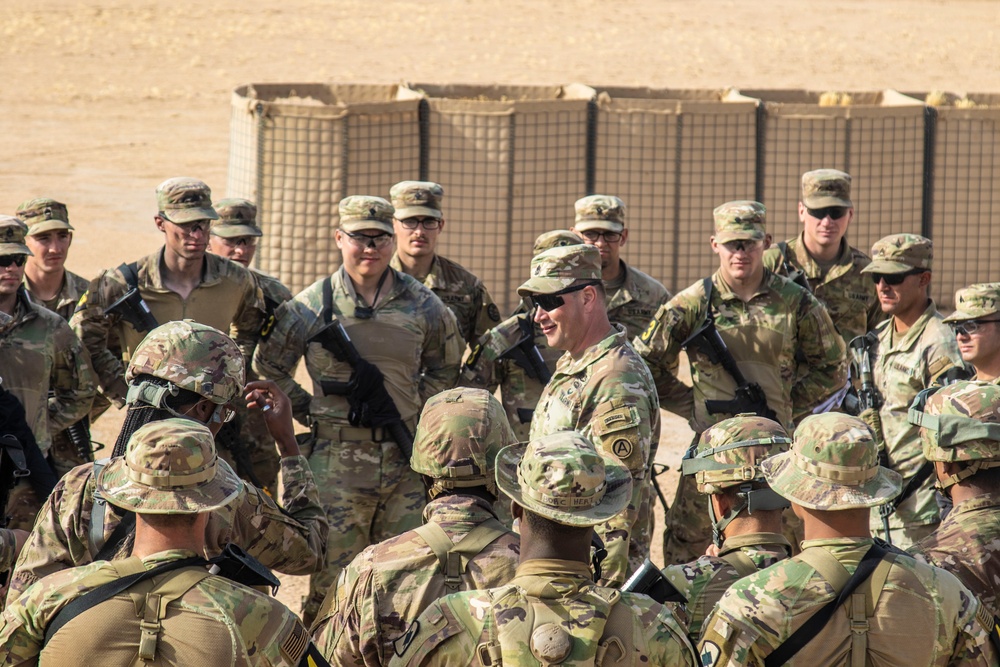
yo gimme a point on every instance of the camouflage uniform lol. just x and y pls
(191, 614)
(847, 294)
(551, 613)
(922, 615)
(607, 393)
(765, 335)
(227, 298)
(966, 431)
(367, 490)
(979, 301)
(464, 294)
(389, 584)
(902, 366)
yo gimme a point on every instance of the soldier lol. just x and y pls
(885, 607)
(179, 281)
(960, 433)
(171, 479)
(234, 236)
(44, 366)
(551, 613)
(745, 512)
(418, 222)
(820, 258)
(186, 369)
(915, 350)
(977, 309)
(765, 321)
(404, 335)
(461, 546)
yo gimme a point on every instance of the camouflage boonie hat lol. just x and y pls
(900, 253)
(826, 187)
(729, 453)
(361, 212)
(976, 301)
(960, 422)
(44, 215)
(458, 437)
(170, 467)
(12, 233)
(833, 465)
(237, 217)
(416, 198)
(555, 239)
(740, 221)
(600, 212)
(557, 268)
(563, 477)
(182, 200)
(192, 356)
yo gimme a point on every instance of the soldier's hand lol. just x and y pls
(266, 396)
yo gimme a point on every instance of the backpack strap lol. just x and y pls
(455, 558)
(155, 604)
(743, 563)
(616, 643)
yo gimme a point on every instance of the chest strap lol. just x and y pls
(743, 563)
(154, 605)
(95, 536)
(455, 558)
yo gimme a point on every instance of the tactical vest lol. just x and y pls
(454, 558)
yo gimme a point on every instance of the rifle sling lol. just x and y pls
(130, 272)
(923, 474)
(328, 300)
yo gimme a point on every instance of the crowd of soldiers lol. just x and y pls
(466, 489)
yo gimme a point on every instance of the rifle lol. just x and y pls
(525, 353)
(797, 276)
(132, 308)
(79, 435)
(370, 402)
(650, 581)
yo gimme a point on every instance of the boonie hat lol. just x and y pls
(237, 217)
(900, 253)
(557, 268)
(555, 239)
(975, 301)
(360, 212)
(44, 215)
(826, 187)
(740, 221)
(182, 200)
(12, 233)
(600, 212)
(416, 198)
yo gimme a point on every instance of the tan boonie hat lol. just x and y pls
(740, 221)
(826, 187)
(12, 233)
(360, 212)
(416, 198)
(44, 215)
(832, 465)
(900, 253)
(976, 301)
(600, 212)
(237, 217)
(458, 437)
(555, 239)
(563, 477)
(170, 467)
(556, 269)
(182, 200)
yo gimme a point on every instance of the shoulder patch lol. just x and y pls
(82, 303)
(493, 312)
(400, 645)
(651, 329)
(294, 645)
(709, 654)
(622, 448)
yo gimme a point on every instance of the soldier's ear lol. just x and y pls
(767, 241)
(158, 221)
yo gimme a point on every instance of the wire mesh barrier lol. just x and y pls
(513, 159)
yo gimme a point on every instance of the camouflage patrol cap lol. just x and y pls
(170, 467)
(563, 477)
(458, 437)
(740, 221)
(182, 200)
(900, 253)
(360, 212)
(826, 187)
(555, 239)
(975, 301)
(729, 453)
(12, 233)
(44, 215)
(237, 217)
(192, 356)
(960, 422)
(832, 465)
(556, 269)
(600, 212)
(417, 198)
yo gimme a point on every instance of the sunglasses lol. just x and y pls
(364, 241)
(413, 223)
(16, 260)
(969, 327)
(894, 278)
(237, 241)
(594, 236)
(549, 302)
(833, 212)
(189, 228)
(742, 245)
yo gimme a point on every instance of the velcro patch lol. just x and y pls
(403, 643)
(294, 644)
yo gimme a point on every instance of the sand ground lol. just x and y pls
(103, 100)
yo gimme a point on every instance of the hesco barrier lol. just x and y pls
(513, 160)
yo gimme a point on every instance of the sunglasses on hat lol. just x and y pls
(894, 278)
(552, 301)
(17, 260)
(834, 212)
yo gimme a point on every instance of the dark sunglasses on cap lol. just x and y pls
(835, 212)
(549, 302)
(894, 278)
(969, 327)
(17, 260)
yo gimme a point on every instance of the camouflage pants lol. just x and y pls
(369, 494)
(688, 530)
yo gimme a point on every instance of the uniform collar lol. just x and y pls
(457, 507)
(990, 500)
(726, 293)
(25, 310)
(737, 542)
(621, 290)
(551, 578)
(912, 334)
(210, 270)
(573, 366)
(431, 280)
(841, 264)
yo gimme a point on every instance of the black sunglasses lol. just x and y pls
(894, 278)
(835, 212)
(17, 260)
(549, 302)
